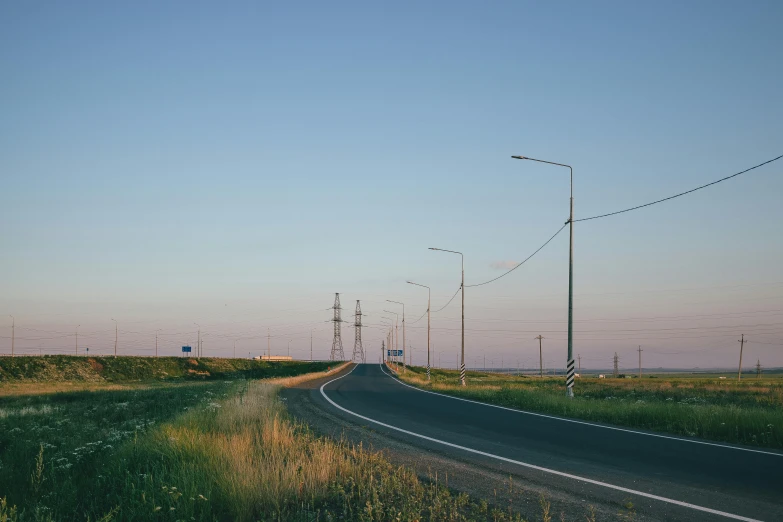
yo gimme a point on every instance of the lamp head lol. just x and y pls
(519, 157)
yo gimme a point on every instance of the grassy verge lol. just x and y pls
(53, 369)
(747, 412)
(216, 450)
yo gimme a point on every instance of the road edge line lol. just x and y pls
(575, 421)
(531, 466)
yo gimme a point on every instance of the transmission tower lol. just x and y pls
(758, 368)
(616, 360)
(337, 344)
(358, 349)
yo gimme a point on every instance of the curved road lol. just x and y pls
(666, 478)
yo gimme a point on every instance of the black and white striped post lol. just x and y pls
(570, 377)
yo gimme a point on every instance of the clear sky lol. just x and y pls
(235, 164)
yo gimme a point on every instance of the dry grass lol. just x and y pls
(202, 452)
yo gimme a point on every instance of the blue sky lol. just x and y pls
(235, 165)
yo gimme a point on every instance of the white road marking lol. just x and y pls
(531, 466)
(584, 422)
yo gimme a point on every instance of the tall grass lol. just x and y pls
(210, 451)
(749, 412)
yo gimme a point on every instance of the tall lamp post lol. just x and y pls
(570, 360)
(428, 324)
(390, 325)
(462, 288)
(198, 341)
(403, 332)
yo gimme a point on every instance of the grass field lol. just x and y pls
(747, 412)
(51, 369)
(207, 450)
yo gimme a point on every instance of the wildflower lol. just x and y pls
(171, 508)
(157, 508)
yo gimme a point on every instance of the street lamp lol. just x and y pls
(462, 288)
(428, 324)
(403, 332)
(396, 335)
(198, 341)
(570, 361)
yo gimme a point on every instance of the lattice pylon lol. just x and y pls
(358, 349)
(337, 353)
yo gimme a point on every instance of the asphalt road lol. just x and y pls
(665, 478)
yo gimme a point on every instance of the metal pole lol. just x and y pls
(462, 288)
(235, 349)
(268, 345)
(640, 362)
(311, 345)
(77, 340)
(115, 336)
(462, 368)
(540, 356)
(570, 360)
(13, 328)
(742, 345)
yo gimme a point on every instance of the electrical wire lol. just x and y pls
(523, 262)
(680, 194)
(450, 300)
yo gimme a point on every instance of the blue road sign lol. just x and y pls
(186, 349)
(394, 353)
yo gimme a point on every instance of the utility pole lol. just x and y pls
(77, 340)
(540, 355)
(742, 345)
(289, 347)
(580, 363)
(758, 368)
(13, 325)
(640, 362)
(616, 360)
(311, 345)
(268, 345)
(116, 331)
(156, 342)
(235, 349)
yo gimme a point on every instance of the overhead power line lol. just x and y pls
(523, 262)
(450, 300)
(680, 194)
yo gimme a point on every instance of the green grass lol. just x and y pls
(201, 451)
(747, 412)
(67, 368)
